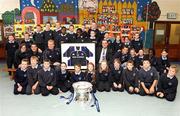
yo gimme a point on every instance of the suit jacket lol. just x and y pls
(108, 54)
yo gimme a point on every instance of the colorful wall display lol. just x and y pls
(65, 11)
(116, 15)
(83, 11)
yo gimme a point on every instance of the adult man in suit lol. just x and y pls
(103, 53)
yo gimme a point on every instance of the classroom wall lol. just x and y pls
(165, 6)
(6, 5)
(169, 6)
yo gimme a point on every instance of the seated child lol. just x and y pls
(148, 78)
(103, 81)
(130, 76)
(20, 78)
(117, 78)
(63, 78)
(90, 75)
(47, 79)
(33, 84)
(77, 75)
(167, 85)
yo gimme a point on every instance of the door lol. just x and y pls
(167, 35)
(2, 41)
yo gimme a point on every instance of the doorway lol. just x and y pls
(167, 35)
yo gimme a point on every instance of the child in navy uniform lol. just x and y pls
(57, 32)
(33, 84)
(133, 56)
(35, 51)
(152, 57)
(163, 62)
(90, 75)
(71, 35)
(122, 55)
(38, 37)
(80, 38)
(137, 44)
(47, 34)
(117, 78)
(47, 79)
(103, 80)
(77, 75)
(21, 53)
(11, 47)
(63, 78)
(20, 78)
(139, 59)
(130, 76)
(167, 85)
(148, 78)
(117, 44)
(27, 41)
(63, 37)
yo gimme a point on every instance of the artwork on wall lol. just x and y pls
(51, 8)
(8, 29)
(88, 3)
(51, 19)
(114, 14)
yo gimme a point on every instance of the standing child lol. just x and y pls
(148, 78)
(20, 78)
(137, 44)
(33, 84)
(38, 37)
(127, 43)
(103, 80)
(11, 47)
(117, 44)
(71, 34)
(167, 85)
(47, 79)
(130, 76)
(47, 34)
(27, 41)
(117, 78)
(63, 78)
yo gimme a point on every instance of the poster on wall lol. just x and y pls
(81, 53)
(8, 29)
(90, 5)
(51, 19)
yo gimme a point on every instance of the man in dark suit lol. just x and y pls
(103, 53)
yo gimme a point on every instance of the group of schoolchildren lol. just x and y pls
(120, 64)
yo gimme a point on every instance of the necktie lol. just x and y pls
(104, 55)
